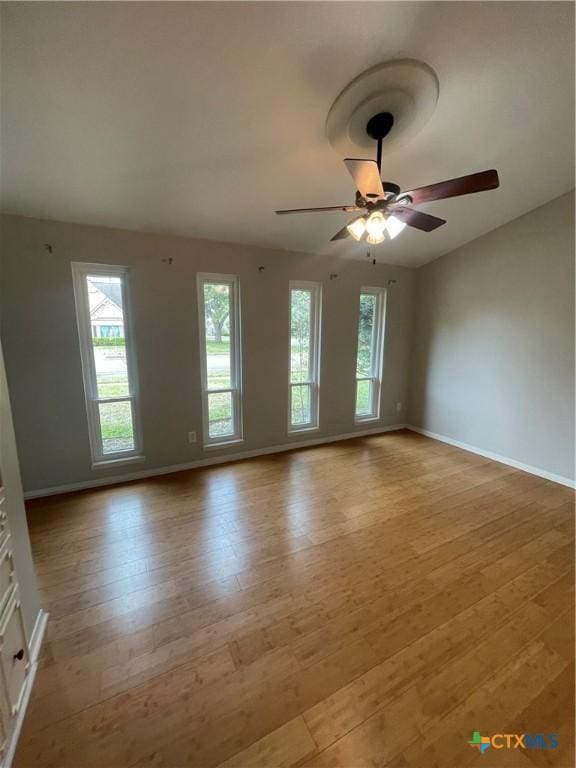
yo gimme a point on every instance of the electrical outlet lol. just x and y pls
(398, 407)
(191, 437)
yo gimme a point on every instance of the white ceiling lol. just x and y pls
(201, 119)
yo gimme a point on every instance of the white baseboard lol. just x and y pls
(496, 457)
(37, 635)
(35, 644)
(70, 487)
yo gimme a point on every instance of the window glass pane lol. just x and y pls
(300, 405)
(366, 329)
(300, 329)
(108, 343)
(220, 416)
(364, 397)
(116, 427)
(217, 330)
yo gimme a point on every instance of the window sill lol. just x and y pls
(223, 444)
(104, 463)
(299, 430)
(366, 419)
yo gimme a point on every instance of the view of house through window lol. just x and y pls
(108, 374)
(304, 351)
(220, 322)
(109, 349)
(369, 357)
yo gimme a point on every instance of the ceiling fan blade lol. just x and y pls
(343, 233)
(366, 176)
(321, 210)
(465, 185)
(417, 219)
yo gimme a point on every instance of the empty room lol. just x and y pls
(287, 441)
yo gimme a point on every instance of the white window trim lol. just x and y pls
(377, 354)
(80, 270)
(314, 381)
(235, 358)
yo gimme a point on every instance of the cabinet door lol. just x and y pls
(3, 518)
(7, 574)
(14, 654)
(5, 726)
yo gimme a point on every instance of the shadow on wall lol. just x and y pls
(450, 382)
(423, 342)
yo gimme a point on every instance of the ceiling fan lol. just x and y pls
(386, 210)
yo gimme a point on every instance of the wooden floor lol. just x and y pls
(365, 603)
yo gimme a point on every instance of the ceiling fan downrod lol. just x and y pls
(378, 127)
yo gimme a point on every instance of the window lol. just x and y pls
(219, 308)
(369, 356)
(108, 361)
(305, 301)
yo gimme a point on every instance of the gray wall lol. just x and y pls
(15, 508)
(43, 362)
(493, 353)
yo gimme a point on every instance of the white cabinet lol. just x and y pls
(7, 573)
(14, 648)
(14, 654)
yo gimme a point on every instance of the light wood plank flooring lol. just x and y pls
(364, 603)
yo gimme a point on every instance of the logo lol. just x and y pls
(481, 743)
(513, 741)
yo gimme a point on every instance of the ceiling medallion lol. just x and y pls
(405, 88)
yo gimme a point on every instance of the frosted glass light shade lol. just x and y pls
(357, 228)
(394, 226)
(376, 225)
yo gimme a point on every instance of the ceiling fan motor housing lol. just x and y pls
(391, 188)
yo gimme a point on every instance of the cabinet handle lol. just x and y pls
(20, 655)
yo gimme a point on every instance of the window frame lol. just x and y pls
(236, 378)
(314, 346)
(376, 354)
(80, 271)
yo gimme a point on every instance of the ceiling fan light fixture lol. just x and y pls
(357, 228)
(394, 226)
(376, 225)
(375, 239)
